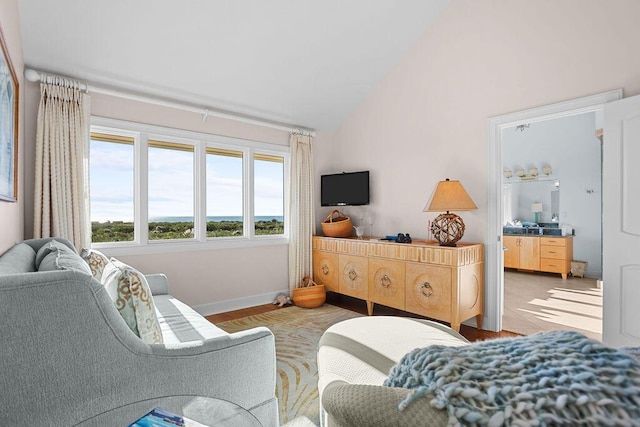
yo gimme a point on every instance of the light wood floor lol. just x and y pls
(359, 306)
(536, 302)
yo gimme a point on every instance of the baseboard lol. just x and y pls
(238, 303)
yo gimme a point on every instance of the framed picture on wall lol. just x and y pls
(8, 126)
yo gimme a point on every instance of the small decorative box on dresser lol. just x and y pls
(440, 282)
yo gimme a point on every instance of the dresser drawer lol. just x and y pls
(553, 241)
(354, 276)
(326, 270)
(386, 282)
(387, 250)
(429, 291)
(553, 265)
(555, 252)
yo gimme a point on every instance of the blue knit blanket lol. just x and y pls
(551, 378)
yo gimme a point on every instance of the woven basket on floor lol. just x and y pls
(337, 226)
(310, 294)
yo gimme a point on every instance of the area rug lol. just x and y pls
(297, 331)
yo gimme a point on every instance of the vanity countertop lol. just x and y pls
(533, 231)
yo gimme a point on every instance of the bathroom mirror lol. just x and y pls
(521, 196)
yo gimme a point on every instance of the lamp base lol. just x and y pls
(447, 229)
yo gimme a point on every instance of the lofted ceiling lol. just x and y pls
(301, 62)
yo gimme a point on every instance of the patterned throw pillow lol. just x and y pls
(131, 295)
(97, 262)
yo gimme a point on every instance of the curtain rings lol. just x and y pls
(64, 82)
(301, 132)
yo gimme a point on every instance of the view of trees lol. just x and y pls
(120, 231)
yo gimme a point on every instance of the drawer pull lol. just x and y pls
(426, 289)
(325, 269)
(385, 282)
(353, 275)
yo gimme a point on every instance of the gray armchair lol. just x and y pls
(67, 355)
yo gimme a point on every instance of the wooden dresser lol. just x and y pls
(440, 282)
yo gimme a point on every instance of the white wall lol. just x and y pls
(570, 147)
(427, 119)
(12, 214)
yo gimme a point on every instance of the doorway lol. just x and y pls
(552, 184)
(494, 256)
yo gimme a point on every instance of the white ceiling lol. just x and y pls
(301, 62)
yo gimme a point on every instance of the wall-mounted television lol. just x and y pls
(345, 189)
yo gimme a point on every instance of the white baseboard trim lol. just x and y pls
(238, 303)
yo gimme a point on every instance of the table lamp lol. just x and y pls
(536, 208)
(448, 228)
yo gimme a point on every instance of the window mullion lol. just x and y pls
(200, 193)
(249, 188)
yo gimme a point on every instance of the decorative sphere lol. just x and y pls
(447, 229)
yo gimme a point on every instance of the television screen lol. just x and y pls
(342, 189)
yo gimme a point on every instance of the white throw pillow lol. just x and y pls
(131, 295)
(97, 262)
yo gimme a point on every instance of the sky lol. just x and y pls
(171, 187)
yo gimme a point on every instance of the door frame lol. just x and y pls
(494, 280)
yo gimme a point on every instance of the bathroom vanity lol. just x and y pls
(552, 254)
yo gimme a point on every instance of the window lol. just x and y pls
(268, 173)
(224, 192)
(171, 190)
(160, 186)
(111, 184)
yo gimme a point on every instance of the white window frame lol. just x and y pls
(145, 138)
(286, 174)
(141, 134)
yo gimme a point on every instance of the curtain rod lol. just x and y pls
(36, 76)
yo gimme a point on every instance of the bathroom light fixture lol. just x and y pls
(531, 174)
(448, 228)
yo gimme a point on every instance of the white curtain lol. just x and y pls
(301, 219)
(61, 205)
